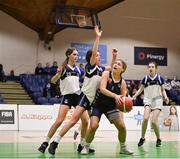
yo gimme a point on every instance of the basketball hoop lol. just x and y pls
(80, 20)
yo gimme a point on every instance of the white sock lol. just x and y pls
(47, 139)
(57, 138)
(82, 141)
(86, 144)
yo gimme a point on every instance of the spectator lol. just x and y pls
(54, 68)
(167, 85)
(11, 76)
(11, 73)
(132, 84)
(175, 83)
(51, 90)
(139, 100)
(39, 69)
(2, 74)
(47, 69)
(55, 90)
(47, 90)
(127, 92)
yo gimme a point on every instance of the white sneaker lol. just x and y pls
(85, 150)
(125, 151)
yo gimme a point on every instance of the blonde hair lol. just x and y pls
(124, 65)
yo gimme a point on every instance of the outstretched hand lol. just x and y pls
(114, 52)
(97, 31)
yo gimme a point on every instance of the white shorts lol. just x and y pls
(154, 103)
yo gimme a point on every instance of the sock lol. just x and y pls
(86, 144)
(82, 141)
(122, 144)
(47, 139)
(57, 138)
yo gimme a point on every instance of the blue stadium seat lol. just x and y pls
(54, 100)
(1, 100)
(42, 101)
(178, 100)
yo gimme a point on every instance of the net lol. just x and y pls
(80, 20)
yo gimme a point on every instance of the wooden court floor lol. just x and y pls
(24, 144)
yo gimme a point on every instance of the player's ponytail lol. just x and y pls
(88, 55)
(69, 51)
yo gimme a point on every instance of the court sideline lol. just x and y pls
(24, 144)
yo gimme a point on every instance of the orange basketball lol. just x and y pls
(126, 104)
(167, 122)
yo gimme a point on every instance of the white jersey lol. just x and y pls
(152, 90)
(69, 80)
(92, 81)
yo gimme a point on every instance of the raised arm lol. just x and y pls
(114, 58)
(95, 45)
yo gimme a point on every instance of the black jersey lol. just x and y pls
(107, 103)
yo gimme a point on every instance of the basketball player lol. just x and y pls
(111, 87)
(154, 92)
(69, 75)
(89, 88)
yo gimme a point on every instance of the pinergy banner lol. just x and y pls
(144, 55)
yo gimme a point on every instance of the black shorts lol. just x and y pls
(70, 100)
(84, 102)
(152, 109)
(110, 114)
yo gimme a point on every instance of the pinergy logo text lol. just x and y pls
(155, 57)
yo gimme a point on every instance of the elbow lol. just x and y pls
(102, 90)
(53, 81)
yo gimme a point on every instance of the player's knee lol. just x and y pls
(85, 121)
(154, 123)
(58, 122)
(72, 122)
(94, 126)
(145, 120)
(121, 126)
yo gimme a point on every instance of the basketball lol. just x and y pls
(126, 104)
(167, 122)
